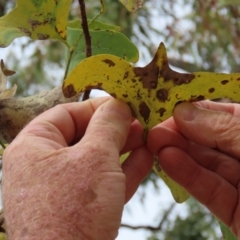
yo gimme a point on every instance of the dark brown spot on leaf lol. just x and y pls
(147, 80)
(125, 75)
(113, 95)
(90, 87)
(133, 113)
(224, 82)
(178, 78)
(42, 36)
(144, 111)
(211, 90)
(125, 95)
(69, 91)
(153, 84)
(109, 62)
(162, 94)
(161, 111)
(198, 98)
(139, 95)
(25, 31)
(238, 79)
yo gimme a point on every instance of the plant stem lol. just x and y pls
(68, 63)
(87, 38)
(85, 28)
(100, 13)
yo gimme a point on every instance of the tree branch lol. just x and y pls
(15, 113)
(152, 228)
(87, 38)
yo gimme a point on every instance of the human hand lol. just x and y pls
(200, 149)
(52, 191)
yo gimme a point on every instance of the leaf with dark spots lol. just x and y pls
(162, 94)
(153, 91)
(69, 91)
(156, 84)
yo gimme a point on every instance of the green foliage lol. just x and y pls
(199, 224)
(227, 234)
(35, 19)
(104, 41)
(132, 5)
(152, 92)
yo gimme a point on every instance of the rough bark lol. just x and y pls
(15, 113)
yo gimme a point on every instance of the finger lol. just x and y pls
(160, 137)
(209, 128)
(64, 123)
(223, 165)
(135, 137)
(223, 107)
(232, 108)
(214, 192)
(108, 128)
(136, 167)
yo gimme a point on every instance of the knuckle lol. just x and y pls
(227, 130)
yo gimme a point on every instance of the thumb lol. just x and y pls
(209, 128)
(109, 126)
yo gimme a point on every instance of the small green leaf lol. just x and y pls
(95, 25)
(103, 42)
(124, 157)
(132, 5)
(37, 19)
(179, 194)
(227, 234)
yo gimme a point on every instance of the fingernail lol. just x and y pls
(117, 108)
(187, 111)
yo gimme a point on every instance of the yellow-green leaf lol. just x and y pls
(180, 195)
(152, 91)
(37, 19)
(3, 236)
(132, 5)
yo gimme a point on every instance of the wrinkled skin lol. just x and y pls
(52, 191)
(201, 151)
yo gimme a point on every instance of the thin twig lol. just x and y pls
(87, 38)
(85, 28)
(152, 228)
